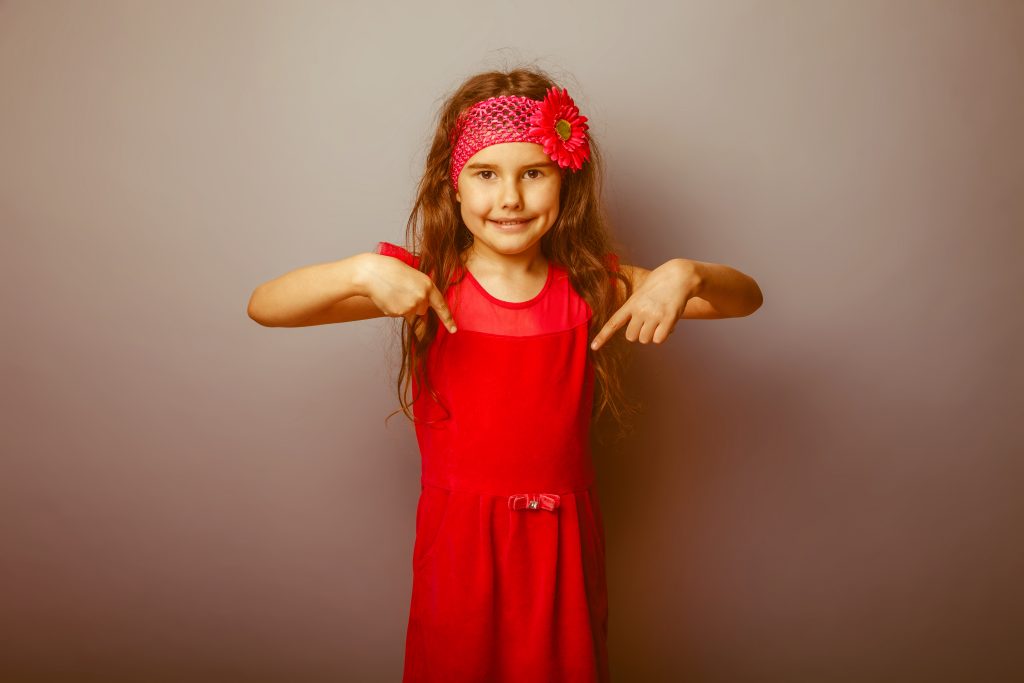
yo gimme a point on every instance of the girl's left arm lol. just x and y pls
(680, 288)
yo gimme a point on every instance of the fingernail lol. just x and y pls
(454, 328)
(593, 345)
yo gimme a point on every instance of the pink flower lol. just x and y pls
(557, 122)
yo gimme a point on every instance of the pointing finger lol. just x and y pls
(614, 323)
(440, 306)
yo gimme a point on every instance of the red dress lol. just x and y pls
(509, 558)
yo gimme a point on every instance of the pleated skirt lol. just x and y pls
(508, 593)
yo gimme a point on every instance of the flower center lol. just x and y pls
(563, 129)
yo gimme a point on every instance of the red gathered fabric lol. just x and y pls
(389, 249)
(509, 580)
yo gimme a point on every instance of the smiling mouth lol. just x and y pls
(510, 224)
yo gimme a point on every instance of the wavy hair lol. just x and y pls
(579, 240)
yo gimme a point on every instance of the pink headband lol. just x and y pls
(554, 122)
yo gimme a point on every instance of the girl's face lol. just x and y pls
(509, 181)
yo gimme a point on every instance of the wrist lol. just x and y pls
(355, 270)
(693, 275)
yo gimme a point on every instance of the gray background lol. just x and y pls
(828, 490)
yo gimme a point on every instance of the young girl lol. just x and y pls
(512, 295)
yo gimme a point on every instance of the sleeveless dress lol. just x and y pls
(509, 559)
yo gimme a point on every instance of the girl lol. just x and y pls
(512, 296)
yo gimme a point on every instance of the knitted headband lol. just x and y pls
(554, 122)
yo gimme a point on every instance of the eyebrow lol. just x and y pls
(541, 164)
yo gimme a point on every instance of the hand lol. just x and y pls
(400, 290)
(655, 307)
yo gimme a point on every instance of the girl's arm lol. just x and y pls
(719, 291)
(679, 288)
(356, 288)
(315, 295)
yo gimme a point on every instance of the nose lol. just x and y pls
(510, 195)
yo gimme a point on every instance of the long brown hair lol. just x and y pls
(579, 240)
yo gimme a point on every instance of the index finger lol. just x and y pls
(440, 307)
(617, 320)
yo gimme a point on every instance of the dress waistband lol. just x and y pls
(520, 500)
(533, 501)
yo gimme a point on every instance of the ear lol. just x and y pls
(458, 197)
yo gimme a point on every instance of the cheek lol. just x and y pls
(473, 209)
(475, 206)
(553, 193)
(553, 204)
(544, 199)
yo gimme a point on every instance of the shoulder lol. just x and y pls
(634, 274)
(612, 260)
(389, 249)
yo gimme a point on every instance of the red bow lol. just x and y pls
(533, 501)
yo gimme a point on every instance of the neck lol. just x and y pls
(523, 264)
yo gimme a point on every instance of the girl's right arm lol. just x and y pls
(355, 288)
